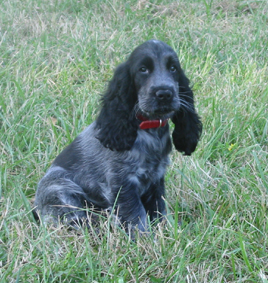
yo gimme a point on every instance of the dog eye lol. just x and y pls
(173, 69)
(143, 70)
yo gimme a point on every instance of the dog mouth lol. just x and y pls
(157, 114)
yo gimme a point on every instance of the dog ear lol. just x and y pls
(117, 125)
(188, 126)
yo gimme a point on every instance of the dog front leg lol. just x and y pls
(130, 209)
(153, 201)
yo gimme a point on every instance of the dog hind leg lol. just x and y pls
(59, 198)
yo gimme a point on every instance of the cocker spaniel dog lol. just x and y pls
(119, 161)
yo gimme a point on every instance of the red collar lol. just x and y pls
(150, 124)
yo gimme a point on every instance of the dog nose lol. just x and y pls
(164, 94)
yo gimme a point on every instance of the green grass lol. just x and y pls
(56, 58)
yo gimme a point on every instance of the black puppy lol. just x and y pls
(120, 159)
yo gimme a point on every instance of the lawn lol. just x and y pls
(56, 58)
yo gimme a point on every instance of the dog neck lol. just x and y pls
(151, 124)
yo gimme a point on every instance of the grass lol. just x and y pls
(56, 58)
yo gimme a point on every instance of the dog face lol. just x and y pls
(156, 70)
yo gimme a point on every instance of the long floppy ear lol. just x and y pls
(188, 126)
(116, 123)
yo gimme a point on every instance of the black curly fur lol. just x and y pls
(116, 122)
(188, 126)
